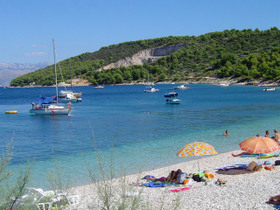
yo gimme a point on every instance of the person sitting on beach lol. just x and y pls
(173, 176)
(267, 133)
(277, 135)
(226, 133)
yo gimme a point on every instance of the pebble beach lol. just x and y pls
(247, 190)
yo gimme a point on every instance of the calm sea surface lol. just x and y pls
(135, 129)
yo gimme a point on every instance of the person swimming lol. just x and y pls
(226, 133)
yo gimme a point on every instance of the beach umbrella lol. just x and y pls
(259, 144)
(196, 149)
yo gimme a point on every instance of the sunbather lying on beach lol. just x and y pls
(274, 200)
(172, 177)
(242, 153)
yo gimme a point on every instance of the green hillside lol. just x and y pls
(245, 55)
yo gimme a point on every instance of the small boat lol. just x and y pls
(171, 94)
(70, 98)
(151, 90)
(63, 93)
(173, 101)
(182, 87)
(269, 89)
(98, 86)
(11, 112)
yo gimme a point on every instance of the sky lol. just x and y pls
(27, 27)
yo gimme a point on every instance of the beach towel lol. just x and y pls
(157, 184)
(226, 168)
(148, 177)
(179, 189)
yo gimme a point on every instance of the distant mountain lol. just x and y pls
(9, 71)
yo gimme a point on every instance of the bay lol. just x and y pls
(129, 128)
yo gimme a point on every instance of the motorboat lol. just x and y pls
(49, 105)
(269, 89)
(173, 101)
(63, 93)
(98, 87)
(182, 87)
(70, 98)
(171, 94)
(151, 90)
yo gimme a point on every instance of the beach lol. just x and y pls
(250, 190)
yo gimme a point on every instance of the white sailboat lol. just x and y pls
(49, 105)
(69, 95)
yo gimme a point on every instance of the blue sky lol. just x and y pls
(78, 26)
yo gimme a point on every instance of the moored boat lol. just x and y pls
(182, 87)
(173, 101)
(171, 94)
(151, 90)
(98, 86)
(49, 105)
(63, 93)
(70, 98)
(269, 89)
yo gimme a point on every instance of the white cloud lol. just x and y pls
(35, 54)
(39, 46)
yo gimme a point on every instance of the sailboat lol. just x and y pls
(49, 105)
(68, 95)
(151, 88)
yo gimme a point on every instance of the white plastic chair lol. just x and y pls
(52, 198)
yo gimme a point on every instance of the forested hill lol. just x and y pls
(244, 55)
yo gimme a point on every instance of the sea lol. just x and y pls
(123, 130)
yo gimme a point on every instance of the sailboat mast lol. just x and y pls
(71, 76)
(55, 72)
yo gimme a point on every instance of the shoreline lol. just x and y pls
(243, 191)
(203, 80)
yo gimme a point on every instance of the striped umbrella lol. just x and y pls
(196, 149)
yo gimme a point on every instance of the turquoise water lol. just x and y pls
(138, 129)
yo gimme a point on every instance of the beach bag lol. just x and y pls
(252, 166)
(197, 178)
(277, 162)
(258, 168)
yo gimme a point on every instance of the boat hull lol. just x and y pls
(50, 111)
(64, 100)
